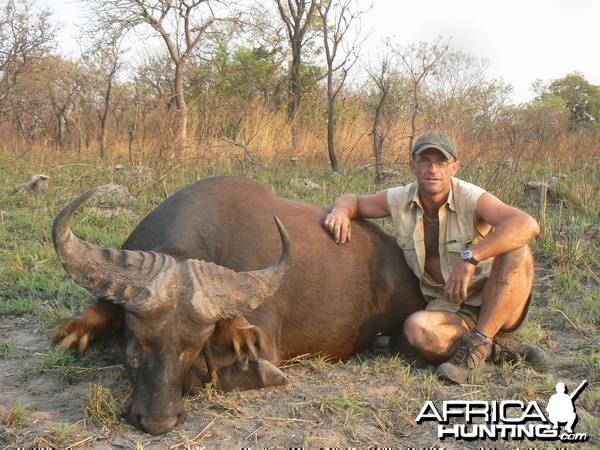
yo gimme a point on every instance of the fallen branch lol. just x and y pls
(245, 148)
(80, 443)
(569, 320)
(592, 274)
(198, 436)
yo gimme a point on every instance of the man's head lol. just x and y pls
(436, 140)
(434, 162)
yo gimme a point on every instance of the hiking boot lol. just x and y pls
(471, 351)
(508, 350)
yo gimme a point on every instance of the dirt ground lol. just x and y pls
(369, 401)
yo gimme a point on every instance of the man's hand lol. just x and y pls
(455, 290)
(337, 223)
(350, 206)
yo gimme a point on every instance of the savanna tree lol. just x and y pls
(104, 58)
(581, 98)
(180, 24)
(26, 38)
(417, 63)
(298, 17)
(337, 20)
(382, 76)
(462, 97)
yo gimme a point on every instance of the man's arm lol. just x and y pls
(513, 229)
(351, 206)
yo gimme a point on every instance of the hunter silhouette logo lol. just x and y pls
(507, 419)
(561, 407)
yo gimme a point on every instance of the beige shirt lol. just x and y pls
(457, 231)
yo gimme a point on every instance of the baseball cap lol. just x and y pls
(437, 140)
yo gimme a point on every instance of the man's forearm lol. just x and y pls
(512, 235)
(347, 204)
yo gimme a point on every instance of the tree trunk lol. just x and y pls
(59, 130)
(296, 83)
(104, 119)
(297, 19)
(131, 138)
(331, 123)
(378, 138)
(296, 87)
(181, 133)
(413, 118)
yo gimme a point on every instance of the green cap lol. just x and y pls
(437, 140)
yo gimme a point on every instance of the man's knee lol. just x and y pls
(432, 333)
(418, 327)
(413, 326)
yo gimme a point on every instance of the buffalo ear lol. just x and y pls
(249, 374)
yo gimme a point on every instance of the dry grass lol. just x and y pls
(101, 407)
(17, 415)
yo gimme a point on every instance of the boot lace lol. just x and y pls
(469, 352)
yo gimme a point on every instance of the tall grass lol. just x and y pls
(32, 278)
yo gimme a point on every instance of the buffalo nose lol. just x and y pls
(160, 425)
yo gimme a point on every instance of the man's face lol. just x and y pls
(433, 180)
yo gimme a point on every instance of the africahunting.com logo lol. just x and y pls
(507, 419)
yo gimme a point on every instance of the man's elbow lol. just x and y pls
(533, 226)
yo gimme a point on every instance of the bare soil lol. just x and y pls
(366, 401)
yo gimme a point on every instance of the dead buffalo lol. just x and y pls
(190, 300)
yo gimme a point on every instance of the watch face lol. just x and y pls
(466, 254)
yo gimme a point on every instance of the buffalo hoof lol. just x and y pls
(381, 345)
(248, 374)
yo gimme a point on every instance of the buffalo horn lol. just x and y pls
(143, 280)
(119, 276)
(222, 293)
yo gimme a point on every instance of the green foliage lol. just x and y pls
(581, 97)
(575, 95)
(244, 73)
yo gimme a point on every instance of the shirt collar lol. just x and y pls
(451, 203)
(416, 201)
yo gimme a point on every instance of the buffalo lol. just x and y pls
(204, 289)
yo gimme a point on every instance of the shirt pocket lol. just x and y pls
(410, 254)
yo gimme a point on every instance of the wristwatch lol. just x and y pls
(467, 255)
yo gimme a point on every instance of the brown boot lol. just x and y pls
(508, 350)
(471, 351)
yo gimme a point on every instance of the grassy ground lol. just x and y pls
(53, 399)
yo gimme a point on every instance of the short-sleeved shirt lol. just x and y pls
(457, 230)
